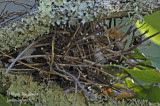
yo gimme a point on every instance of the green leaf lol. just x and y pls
(150, 93)
(3, 102)
(138, 55)
(154, 94)
(147, 75)
(142, 92)
(129, 82)
(151, 23)
(147, 92)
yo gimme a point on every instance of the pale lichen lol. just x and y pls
(61, 12)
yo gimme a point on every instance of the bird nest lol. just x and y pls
(78, 55)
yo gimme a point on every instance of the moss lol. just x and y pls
(42, 95)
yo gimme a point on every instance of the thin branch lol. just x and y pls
(131, 48)
(14, 61)
(76, 81)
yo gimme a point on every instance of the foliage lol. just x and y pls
(148, 74)
(3, 102)
(147, 92)
(150, 23)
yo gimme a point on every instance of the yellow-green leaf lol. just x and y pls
(147, 75)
